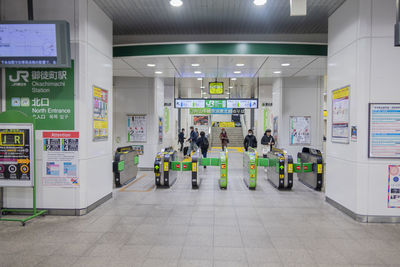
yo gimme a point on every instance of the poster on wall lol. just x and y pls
(275, 130)
(384, 131)
(60, 159)
(166, 119)
(100, 114)
(394, 186)
(137, 128)
(268, 118)
(300, 130)
(16, 155)
(47, 95)
(160, 130)
(341, 115)
(200, 120)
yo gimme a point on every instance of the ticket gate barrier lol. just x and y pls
(310, 168)
(197, 172)
(280, 169)
(125, 165)
(250, 163)
(165, 177)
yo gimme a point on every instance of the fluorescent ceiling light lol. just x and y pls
(298, 7)
(233, 79)
(151, 65)
(202, 87)
(176, 3)
(228, 93)
(237, 72)
(240, 65)
(277, 72)
(285, 64)
(226, 97)
(199, 79)
(197, 72)
(158, 72)
(230, 87)
(260, 2)
(195, 65)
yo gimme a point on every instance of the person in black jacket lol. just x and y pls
(202, 142)
(250, 140)
(181, 138)
(268, 139)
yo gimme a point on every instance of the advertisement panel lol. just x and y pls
(341, 115)
(100, 114)
(200, 120)
(300, 130)
(394, 186)
(137, 128)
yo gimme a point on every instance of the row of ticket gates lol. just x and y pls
(278, 165)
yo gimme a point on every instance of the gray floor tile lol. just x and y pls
(229, 254)
(198, 253)
(165, 252)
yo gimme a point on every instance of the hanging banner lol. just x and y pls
(160, 130)
(137, 128)
(341, 115)
(166, 119)
(384, 131)
(267, 118)
(60, 159)
(16, 155)
(300, 130)
(394, 186)
(100, 114)
(47, 95)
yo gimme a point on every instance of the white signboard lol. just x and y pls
(341, 115)
(60, 159)
(384, 131)
(242, 103)
(190, 103)
(300, 130)
(137, 128)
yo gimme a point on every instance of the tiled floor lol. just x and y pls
(205, 227)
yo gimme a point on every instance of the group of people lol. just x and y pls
(197, 140)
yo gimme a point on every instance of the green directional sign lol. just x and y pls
(211, 103)
(281, 167)
(156, 167)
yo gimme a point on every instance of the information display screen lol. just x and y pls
(35, 44)
(190, 103)
(242, 103)
(216, 88)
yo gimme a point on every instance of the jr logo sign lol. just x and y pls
(21, 74)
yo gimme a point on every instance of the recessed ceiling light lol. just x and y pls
(230, 87)
(260, 2)
(233, 79)
(237, 72)
(176, 3)
(151, 65)
(228, 93)
(195, 65)
(277, 72)
(240, 64)
(199, 79)
(202, 87)
(226, 97)
(285, 64)
(158, 72)
(197, 72)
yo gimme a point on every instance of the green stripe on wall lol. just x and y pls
(221, 48)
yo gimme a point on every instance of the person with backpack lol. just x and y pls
(181, 139)
(202, 142)
(250, 140)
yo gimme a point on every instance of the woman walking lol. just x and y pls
(224, 139)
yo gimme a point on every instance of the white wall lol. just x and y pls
(361, 54)
(265, 96)
(277, 108)
(91, 47)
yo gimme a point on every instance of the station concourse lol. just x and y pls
(199, 133)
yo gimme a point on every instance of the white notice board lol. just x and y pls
(137, 128)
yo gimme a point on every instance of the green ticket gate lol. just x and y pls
(165, 177)
(250, 163)
(222, 162)
(125, 165)
(310, 168)
(280, 169)
(197, 173)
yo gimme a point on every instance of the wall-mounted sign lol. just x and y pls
(394, 186)
(16, 155)
(300, 130)
(100, 114)
(384, 131)
(341, 115)
(216, 103)
(137, 128)
(216, 88)
(47, 95)
(354, 133)
(166, 119)
(242, 103)
(211, 103)
(190, 103)
(60, 159)
(205, 111)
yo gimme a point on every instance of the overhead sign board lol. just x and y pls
(216, 103)
(216, 88)
(242, 103)
(190, 103)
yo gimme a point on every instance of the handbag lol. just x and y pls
(227, 140)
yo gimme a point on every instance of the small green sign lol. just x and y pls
(215, 103)
(121, 166)
(166, 119)
(200, 111)
(47, 95)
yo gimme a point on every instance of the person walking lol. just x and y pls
(250, 140)
(268, 140)
(202, 142)
(192, 140)
(223, 136)
(181, 139)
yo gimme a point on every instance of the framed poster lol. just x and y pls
(160, 130)
(394, 186)
(16, 155)
(60, 159)
(200, 120)
(300, 130)
(341, 115)
(100, 114)
(384, 130)
(137, 128)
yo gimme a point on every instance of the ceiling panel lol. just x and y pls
(250, 62)
(165, 73)
(144, 17)
(205, 62)
(119, 64)
(295, 62)
(141, 62)
(126, 73)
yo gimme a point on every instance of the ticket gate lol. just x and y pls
(280, 169)
(250, 168)
(310, 162)
(222, 162)
(197, 173)
(125, 165)
(165, 177)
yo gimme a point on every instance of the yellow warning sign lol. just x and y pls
(281, 176)
(166, 166)
(319, 168)
(290, 168)
(194, 167)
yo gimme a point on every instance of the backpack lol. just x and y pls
(205, 143)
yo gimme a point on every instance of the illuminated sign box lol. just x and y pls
(216, 88)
